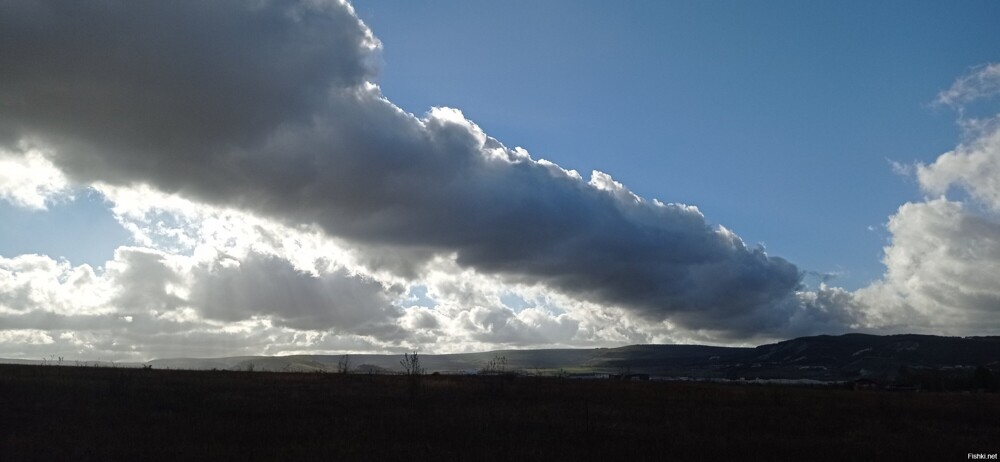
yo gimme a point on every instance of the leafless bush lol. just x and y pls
(411, 364)
(495, 366)
(413, 369)
(344, 364)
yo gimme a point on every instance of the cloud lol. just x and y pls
(147, 280)
(941, 275)
(944, 256)
(30, 282)
(166, 82)
(144, 299)
(982, 83)
(268, 107)
(29, 180)
(231, 290)
(500, 325)
(974, 166)
(280, 204)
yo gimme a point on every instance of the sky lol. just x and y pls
(231, 178)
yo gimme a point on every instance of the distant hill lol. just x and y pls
(897, 358)
(860, 355)
(638, 358)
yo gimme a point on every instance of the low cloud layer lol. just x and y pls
(268, 107)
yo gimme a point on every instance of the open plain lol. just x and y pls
(106, 414)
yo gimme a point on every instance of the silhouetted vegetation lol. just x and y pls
(413, 371)
(344, 364)
(495, 366)
(983, 379)
(92, 413)
(951, 379)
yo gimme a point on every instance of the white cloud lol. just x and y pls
(218, 275)
(941, 272)
(28, 179)
(30, 282)
(26, 336)
(943, 261)
(148, 303)
(982, 83)
(974, 166)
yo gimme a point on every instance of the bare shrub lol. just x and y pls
(411, 364)
(413, 369)
(344, 364)
(495, 366)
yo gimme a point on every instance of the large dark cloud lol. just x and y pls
(266, 106)
(170, 86)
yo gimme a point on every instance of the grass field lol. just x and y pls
(89, 413)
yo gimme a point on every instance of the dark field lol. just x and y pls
(80, 414)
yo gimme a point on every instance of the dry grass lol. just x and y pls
(71, 413)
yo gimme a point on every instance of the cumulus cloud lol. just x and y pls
(33, 282)
(29, 180)
(269, 107)
(279, 203)
(944, 256)
(941, 271)
(146, 299)
(232, 290)
(210, 281)
(973, 166)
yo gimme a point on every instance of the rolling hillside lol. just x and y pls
(824, 357)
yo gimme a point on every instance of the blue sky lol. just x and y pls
(777, 119)
(82, 230)
(311, 177)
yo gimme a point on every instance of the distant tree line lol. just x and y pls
(930, 379)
